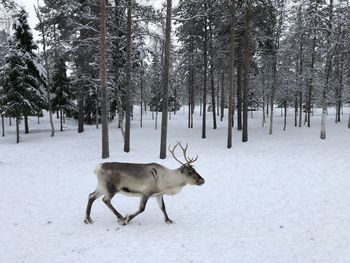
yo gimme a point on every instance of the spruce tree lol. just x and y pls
(23, 76)
(61, 100)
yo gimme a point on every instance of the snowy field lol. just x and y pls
(281, 198)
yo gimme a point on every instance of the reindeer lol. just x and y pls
(144, 180)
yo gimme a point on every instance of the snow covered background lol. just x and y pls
(280, 198)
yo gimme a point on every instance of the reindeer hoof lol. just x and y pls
(123, 221)
(169, 221)
(88, 220)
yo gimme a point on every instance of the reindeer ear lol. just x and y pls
(183, 167)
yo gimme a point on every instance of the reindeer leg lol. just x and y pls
(161, 203)
(92, 197)
(143, 203)
(107, 200)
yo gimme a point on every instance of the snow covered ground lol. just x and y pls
(280, 198)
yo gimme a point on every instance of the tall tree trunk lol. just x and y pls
(274, 66)
(190, 89)
(17, 129)
(104, 111)
(213, 95)
(231, 72)
(212, 83)
(141, 98)
(222, 96)
(128, 80)
(43, 35)
(310, 82)
(327, 73)
(163, 139)
(26, 126)
(246, 68)
(205, 67)
(340, 88)
(239, 92)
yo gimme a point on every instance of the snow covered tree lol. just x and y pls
(61, 101)
(23, 75)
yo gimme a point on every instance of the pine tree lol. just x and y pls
(23, 75)
(61, 100)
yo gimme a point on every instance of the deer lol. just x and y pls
(142, 180)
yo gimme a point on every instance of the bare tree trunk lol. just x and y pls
(128, 80)
(103, 72)
(47, 70)
(300, 107)
(213, 105)
(163, 138)
(212, 83)
(26, 126)
(222, 96)
(349, 122)
(310, 82)
(17, 129)
(340, 88)
(296, 110)
(156, 120)
(263, 109)
(285, 114)
(96, 109)
(231, 72)
(61, 120)
(205, 67)
(246, 68)
(274, 67)
(239, 93)
(328, 68)
(10, 122)
(3, 125)
(141, 99)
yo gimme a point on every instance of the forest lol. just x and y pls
(250, 97)
(95, 60)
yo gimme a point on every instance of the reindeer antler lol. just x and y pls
(184, 150)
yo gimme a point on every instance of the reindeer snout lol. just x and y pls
(201, 181)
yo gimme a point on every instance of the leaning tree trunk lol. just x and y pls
(231, 80)
(128, 80)
(164, 130)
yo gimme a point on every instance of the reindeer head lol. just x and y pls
(191, 175)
